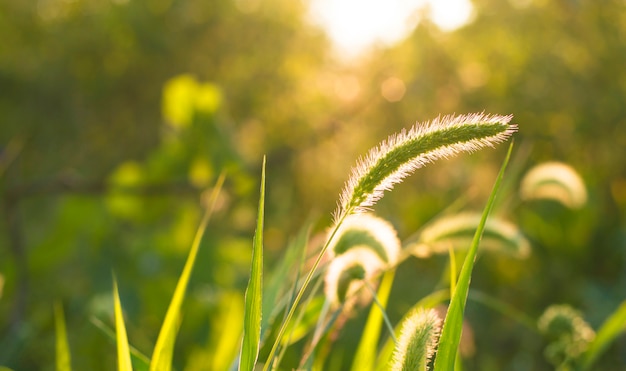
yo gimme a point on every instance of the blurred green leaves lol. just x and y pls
(183, 96)
(125, 112)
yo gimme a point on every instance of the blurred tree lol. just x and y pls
(98, 171)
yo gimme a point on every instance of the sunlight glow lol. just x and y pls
(355, 25)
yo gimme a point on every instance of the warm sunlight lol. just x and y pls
(354, 25)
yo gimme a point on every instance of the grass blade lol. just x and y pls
(164, 348)
(254, 293)
(612, 327)
(63, 359)
(273, 303)
(123, 349)
(453, 325)
(365, 356)
(139, 360)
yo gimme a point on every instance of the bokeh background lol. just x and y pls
(116, 118)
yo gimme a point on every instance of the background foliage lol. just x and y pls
(116, 117)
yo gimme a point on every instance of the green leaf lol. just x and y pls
(254, 293)
(365, 356)
(453, 325)
(123, 350)
(63, 359)
(164, 348)
(612, 327)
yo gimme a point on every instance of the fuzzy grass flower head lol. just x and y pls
(568, 334)
(419, 335)
(554, 181)
(366, 230)
(396, 158)
(458, 230)
(347, 273)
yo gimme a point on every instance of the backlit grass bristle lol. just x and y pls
(554, 181)
(568, 334)
(370, 231)
(457, 231)
(401, 154)
(347, 272)
(419, 335)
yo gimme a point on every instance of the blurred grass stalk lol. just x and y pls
(63, 358)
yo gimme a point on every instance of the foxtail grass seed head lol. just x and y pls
(554, 181)
(568, 334)
(419, 335)
(401, 154)
(347, 272)
(457, 231)
(369, 231)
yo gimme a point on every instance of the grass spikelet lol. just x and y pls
(567, 332)
(418, 339)
(401, 154)
(346, 273)
(457, 231)
(554, 181)
(367, 230)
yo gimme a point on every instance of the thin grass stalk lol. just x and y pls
(381, 306)
(294, 292)
(298, 297)
(320, 335)
(504, 308)
(316, 287)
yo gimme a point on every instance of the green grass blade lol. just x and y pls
(140, 361)
(123, 349)
(365, 357)
(453, 325)
(612, 327)
(63, 359)
(254, 293)
(273, 303)
(164, 348)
